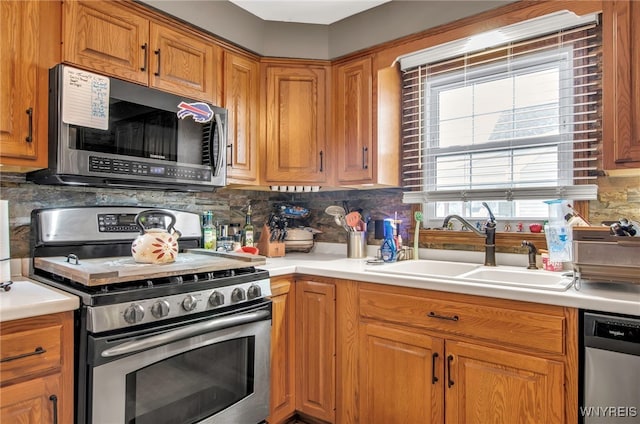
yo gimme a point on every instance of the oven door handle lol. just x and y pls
(184, 333)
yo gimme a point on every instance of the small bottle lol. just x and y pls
(208, 231)
(388, 249)
(247, 231)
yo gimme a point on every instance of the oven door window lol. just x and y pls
(193, 385)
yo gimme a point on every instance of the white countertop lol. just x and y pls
(605, 297)
(28, 298)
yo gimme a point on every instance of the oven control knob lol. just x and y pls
(189, 303)
(216, 299)
(237, 295)
(134, 314)
(254, 291)
(160, 309)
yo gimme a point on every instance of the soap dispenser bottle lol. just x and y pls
(388, 249)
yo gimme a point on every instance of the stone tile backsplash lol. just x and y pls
(618, 197)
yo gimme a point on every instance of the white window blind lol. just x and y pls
(517, 121)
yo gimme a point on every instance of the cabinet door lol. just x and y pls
(401, 375)
(28, 49)
(485, 385)
(242, 99)
(621, 80)
(315, 349)
(182, 64)
(32, 402)
(282, 350)
(107, 38)
(352, 121)
(296, 124)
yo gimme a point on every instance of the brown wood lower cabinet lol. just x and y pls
(36, 374)
(315, 348)
(433, 357)
(380, 354)
(283, 404)
(397, 376)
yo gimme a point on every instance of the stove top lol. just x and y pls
(116, 292)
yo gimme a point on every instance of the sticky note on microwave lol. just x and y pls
(85, 99)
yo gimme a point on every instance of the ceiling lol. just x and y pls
(322, 12)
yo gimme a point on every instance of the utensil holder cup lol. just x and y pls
(356, 244)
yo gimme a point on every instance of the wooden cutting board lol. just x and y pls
(97, 272)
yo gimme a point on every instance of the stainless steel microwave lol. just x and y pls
(105, 132)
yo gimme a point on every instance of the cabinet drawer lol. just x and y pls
(30, 352)
(527, 329)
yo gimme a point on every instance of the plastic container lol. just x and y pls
(388, 249)
(557, 233)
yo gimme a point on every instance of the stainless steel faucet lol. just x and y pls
(489, 234)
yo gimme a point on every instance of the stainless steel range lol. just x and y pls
(185, 342)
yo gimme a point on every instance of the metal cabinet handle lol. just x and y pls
(230, 147)
(434, 378)
(449, 361)
(144, 60)
(445, 317)
(321, 161)
(157, 53)
(38, 351)
(29, 137)
(365, 164)
(54, 400)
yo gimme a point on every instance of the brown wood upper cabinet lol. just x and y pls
(115, 40)
(296, 123)
(242, 100)
(352, 120)
(28, 49)
(621, 81)
(366, 124)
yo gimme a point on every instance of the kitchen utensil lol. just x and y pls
(353, 220)
(417, 215)
(335, 210)
(155, 245)
(338, 214)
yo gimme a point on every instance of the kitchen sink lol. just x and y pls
(509, 276)
(424, 267)
(476, 273)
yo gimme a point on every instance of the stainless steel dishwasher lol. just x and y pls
(611, 379)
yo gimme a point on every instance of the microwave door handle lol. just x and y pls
(184, 333)
(222, 151)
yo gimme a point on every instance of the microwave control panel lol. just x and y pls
(129, 167)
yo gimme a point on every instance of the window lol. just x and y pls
(513, 126)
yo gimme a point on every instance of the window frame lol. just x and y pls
(507, 67)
